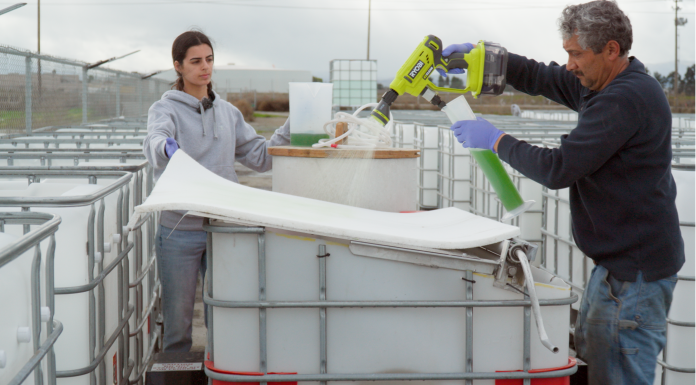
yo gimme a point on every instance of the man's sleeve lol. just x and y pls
(553, 81)
(608, 122)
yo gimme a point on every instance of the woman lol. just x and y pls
(213, 132)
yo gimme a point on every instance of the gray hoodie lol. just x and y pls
(216, 137)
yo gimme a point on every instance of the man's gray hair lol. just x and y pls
(596, 23)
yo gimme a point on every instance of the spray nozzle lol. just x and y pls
(382, 111)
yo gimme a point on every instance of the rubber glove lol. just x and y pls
(478, 133)
(455, 48)
(170, 147)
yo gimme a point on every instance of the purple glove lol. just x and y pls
(478, 133)
(170, 147)
(455, 48)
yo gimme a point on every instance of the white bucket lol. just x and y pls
(367, 340)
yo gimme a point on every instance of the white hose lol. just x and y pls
(529, 282)
(361, 133)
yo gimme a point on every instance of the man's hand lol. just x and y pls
(170, 147)
(455, 48)
(477, 133)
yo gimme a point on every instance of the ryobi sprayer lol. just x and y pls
(486, 64)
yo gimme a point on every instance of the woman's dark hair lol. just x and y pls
(180, 46)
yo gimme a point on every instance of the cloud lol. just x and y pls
(310, 36)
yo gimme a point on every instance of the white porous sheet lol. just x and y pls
(186, 185)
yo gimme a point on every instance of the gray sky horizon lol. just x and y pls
(307, 34)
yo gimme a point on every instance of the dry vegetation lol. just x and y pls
(269, 102)
(245, 108)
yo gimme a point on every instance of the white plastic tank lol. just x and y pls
(530, 221)
(559, 248)
(403, 135)
(455, 171)
(679, 350)
(382, 179)
(72, 348)
(425, 139)
(16, 321)
(368, 340)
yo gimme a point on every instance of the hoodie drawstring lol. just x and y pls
(200, 106)
(215, 124)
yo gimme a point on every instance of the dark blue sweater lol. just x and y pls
(616, 162)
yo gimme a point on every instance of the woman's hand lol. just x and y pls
(170, 147)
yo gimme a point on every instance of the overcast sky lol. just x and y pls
(307, 34)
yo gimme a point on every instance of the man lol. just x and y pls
(616, 163)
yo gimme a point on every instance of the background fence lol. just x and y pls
(39, 90)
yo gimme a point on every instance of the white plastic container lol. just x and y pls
(426, 140)
(15, 302)
(310, 108)
(560, 252)
(679, 350)
(376, 184)
(530, 221)
(403, 135)
(71, 269)
(367, 340)
(455, 171)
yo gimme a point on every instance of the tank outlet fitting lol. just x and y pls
(116, 238)
(107, 247)
(97, 257)
(125, 230)
(45, 313)
(23, 334)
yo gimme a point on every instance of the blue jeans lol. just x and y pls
(180, 257)
(621, 327)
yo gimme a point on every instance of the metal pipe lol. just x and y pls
(262, 311)
(323, 359)
(378, 304)
(36, 308)
(469, 358)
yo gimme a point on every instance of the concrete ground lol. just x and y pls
(248, 177)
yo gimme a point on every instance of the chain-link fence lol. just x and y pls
(39, 91)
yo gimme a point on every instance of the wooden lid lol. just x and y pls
(310, 152)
